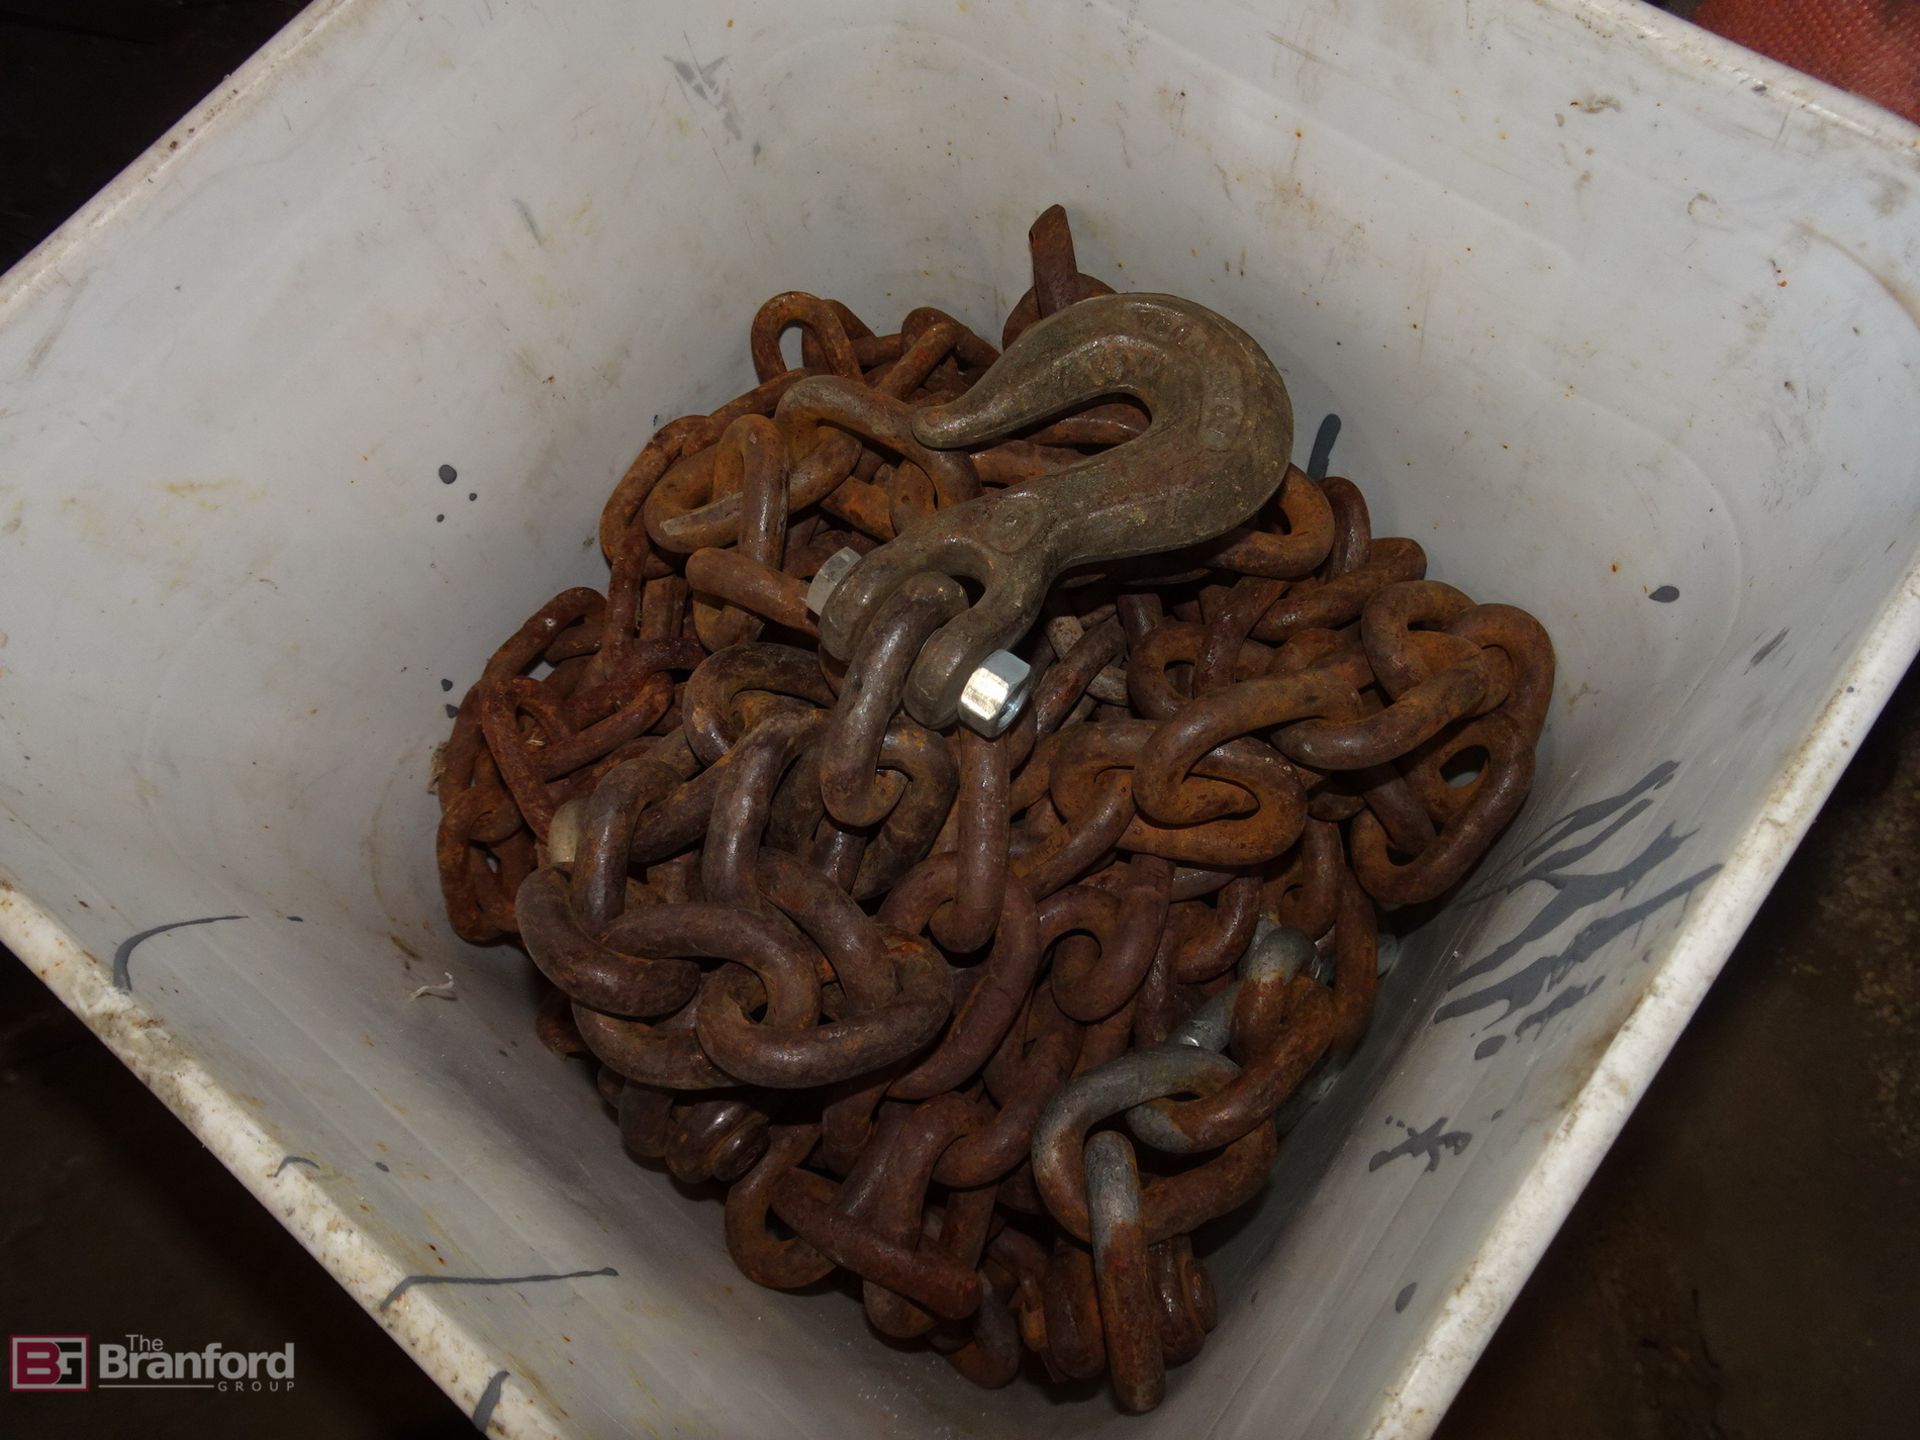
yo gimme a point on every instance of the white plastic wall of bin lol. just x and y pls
(1621, 324)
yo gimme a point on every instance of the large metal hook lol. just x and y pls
(1216, 448)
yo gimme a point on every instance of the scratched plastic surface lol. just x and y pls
(323, 396)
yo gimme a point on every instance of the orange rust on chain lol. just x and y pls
(820, 319)
(863, 972)
(1286, 553)
(756, 469)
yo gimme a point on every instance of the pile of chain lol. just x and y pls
(889, 984)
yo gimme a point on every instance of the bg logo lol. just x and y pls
(49, 1362)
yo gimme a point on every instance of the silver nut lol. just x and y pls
(828, 577)
(995, 692)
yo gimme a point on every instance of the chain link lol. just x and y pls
(991, 1023)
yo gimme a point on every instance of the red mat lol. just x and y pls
(1871, 47)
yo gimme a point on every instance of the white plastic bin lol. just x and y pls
(1622, 323)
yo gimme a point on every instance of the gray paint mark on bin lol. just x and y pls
(1665, 595)
(1760, 655)
(1406, 1294)
(1562, 1002)
(1425, 1144)
(489, 1397)
(703, 83)
(1321, 456)
(123, 953)
(409, 1282)
(286, 1160)
(1533, 992)
(1598, 810)
(1525, 986)
(526, 216)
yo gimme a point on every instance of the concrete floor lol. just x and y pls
(1742, 1266)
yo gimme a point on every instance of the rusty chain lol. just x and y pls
(993, 1021)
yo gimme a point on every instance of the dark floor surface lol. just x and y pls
(1744, 1265)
